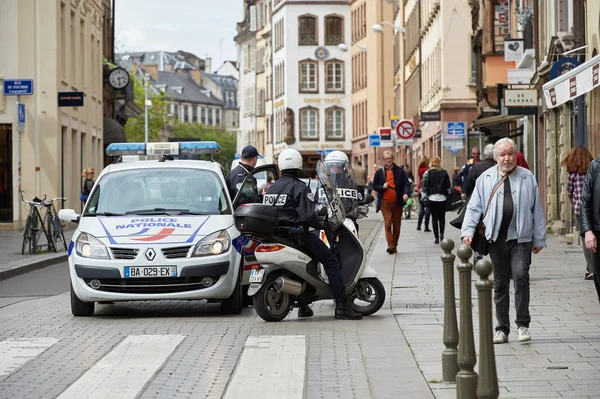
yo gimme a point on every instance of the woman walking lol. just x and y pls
(435, 190)
(423, 208)
(577, 162)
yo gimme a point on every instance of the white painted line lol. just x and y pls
(14, 353)
(270, 367)
(125, 370)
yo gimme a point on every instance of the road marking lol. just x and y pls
(14, 353)
(125, 370)
(270, 367)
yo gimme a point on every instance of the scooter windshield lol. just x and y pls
(343, 179)
(329, 197)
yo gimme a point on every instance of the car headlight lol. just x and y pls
(88, 246)
(213, 244)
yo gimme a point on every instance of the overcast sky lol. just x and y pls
(201, 27)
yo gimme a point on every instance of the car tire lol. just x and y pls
(234, 304)
(79, 307)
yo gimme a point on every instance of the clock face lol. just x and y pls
(118, 78)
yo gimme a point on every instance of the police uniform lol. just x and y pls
(296, 206)
(236, 177)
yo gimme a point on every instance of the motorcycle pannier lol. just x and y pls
(256, 220)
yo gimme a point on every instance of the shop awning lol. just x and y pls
(114, 132)
(494, 120)
(578, 81)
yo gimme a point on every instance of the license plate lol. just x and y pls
(150, 271)
(256, 275)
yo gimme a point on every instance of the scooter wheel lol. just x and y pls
(367, 297)
(270, 304)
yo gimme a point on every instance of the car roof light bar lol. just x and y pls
(167, 149)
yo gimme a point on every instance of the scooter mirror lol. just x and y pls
(367, 199)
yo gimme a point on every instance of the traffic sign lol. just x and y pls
(457, 128)
(405, 129)
(404, 143)
(20, 117)
(374, 140)
(15, 87)
(386, 137)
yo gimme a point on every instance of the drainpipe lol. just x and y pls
(37, 96)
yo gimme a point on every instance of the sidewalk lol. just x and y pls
(13, 263)
(563, 357)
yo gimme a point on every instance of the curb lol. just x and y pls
(36, 265)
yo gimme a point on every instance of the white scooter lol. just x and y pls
(288, 276)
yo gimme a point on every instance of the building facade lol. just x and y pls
(58, 44)
(264, 76)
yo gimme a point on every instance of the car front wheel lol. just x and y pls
(79, 307)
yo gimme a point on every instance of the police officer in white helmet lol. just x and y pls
(296, 206)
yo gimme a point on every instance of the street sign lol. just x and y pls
(430, 116)
(455, 151)
(386, 137)
(20, 117)
(374, 140)
(457, 129)
(18, 87)
(405, 129)
(404, 143)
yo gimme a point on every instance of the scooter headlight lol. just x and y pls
(213, 244)
(88, 246)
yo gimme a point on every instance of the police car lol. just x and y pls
(157, 230)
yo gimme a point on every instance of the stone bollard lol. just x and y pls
(466, 379)
(487, 384)
(450, 338)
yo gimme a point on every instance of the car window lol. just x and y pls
(174, 190)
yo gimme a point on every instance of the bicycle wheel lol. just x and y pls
(26, 236)
(48, 233)
(57, 234)
(35, 233)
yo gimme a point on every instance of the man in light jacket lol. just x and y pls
(515, 227)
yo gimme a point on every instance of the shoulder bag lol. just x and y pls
(479, 243)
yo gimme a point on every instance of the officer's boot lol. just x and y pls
(304, 311)
(343, 312)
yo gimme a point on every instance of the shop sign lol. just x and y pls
(520, 98)
(574, 83)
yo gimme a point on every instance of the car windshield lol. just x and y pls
(158, 191)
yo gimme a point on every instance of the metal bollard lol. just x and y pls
(466, 379)
(487, 384)
(450, 338)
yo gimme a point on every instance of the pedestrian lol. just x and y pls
(456, 183)
(577, 162)
(435, 191)
(507, 201)
(464, 171)
(393, 188)
(424, 211)
(248, 161)
(360, 175)
(590, 216)
(88, 182)
(521, 160)
(477, 170)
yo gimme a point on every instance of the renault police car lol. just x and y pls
(156, 230)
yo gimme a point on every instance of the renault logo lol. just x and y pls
(150, 254)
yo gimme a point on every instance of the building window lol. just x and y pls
(335, 123)
(194, 113)
(307, 30)
(309, 77)
(210, 116)
(334, 30)
(334, 76)
(309, 123)
(203, 115)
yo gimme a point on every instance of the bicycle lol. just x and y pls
(32, 233)
(54, 229)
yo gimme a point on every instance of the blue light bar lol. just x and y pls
(169, 148)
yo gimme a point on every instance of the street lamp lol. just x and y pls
(379, 27)
(344, 47)
(146, 79)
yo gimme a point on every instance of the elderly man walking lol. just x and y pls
(393, 187)
(508, 199)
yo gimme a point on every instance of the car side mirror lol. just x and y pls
(68, 215)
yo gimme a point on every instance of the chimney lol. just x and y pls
(208, 65)
(197, 76)
(169, 68)
(152, 70)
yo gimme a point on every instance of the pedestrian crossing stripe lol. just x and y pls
(14, 353)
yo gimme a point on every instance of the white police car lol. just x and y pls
(157, 230)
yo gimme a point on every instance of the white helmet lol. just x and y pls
(290, 159)
(337, 156)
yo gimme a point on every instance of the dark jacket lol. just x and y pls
(236, 178)
(294, 201)
(437, 182)
(590, 199)
(475, 171)
(400, 182)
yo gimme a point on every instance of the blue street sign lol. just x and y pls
(20, 113)
(457, 128)
(374, 140)
(18, 87)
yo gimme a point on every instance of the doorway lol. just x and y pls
(6, 194)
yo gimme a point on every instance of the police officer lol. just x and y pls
(297, 209)
(238, 174)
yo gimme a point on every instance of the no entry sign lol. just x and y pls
(405, 129)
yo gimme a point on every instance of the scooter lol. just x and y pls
(287, 276)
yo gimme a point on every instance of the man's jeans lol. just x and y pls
(511, 257)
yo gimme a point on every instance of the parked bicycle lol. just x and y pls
(34, 227)
(54, 225)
